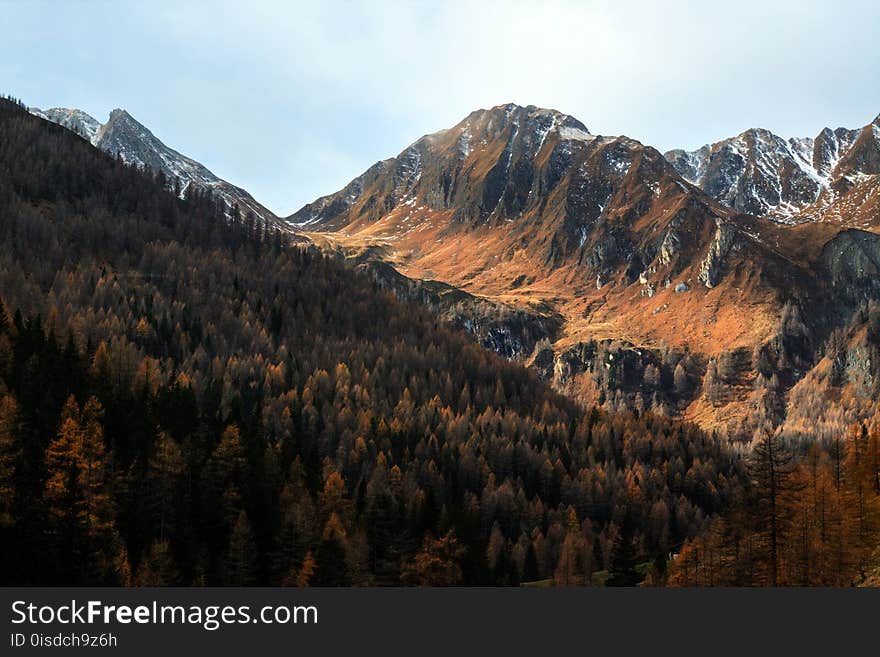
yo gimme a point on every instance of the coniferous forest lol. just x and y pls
(189, 397)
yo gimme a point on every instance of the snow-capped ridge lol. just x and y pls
(76, 120)
(123, 136)
(757, 172)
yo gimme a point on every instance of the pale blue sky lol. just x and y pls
(292, 100)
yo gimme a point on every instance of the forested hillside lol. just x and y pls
(185, 399)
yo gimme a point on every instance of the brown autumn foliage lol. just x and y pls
(826, 518)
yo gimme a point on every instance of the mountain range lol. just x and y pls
(790, 180)
(752, 248)
(625, 276)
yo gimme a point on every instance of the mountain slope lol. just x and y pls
(853, 197)
(136, 145)
(522, 204)
(524, 207)
(518, 204)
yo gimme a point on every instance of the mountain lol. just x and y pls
(518, 204)
(637, 273)
(136, 145)
(790, 180)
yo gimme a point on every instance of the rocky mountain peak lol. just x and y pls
(124, 136)
(530, 123)
(120, 117)
(493, 165)
(600, 208)
(119, 113)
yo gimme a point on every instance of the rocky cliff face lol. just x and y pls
(852, 260)
(510, 331)
(712, 266)
(72, 119)
(755, 172)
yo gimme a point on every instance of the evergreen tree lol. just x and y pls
(157, 568)
(437, 563)
(242, 560)
(165, 468)
(331, 567)
(10, 454)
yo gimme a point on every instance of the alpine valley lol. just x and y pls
(517, 353)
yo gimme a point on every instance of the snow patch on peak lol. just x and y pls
(543, 130)
(802, 147)
(691, 165)
(75, 120)
(576, 134)
(760, 173)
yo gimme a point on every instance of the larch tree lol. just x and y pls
(771, 466)
(157, 568)
(331, 564)
(681, 380)
(93, 476)
(242, 560)
(306, 571)
(574, 568)
(437, 563)
(67, 530)
(10, 452)
(712, 384)
(166, 465)
(62, 490)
